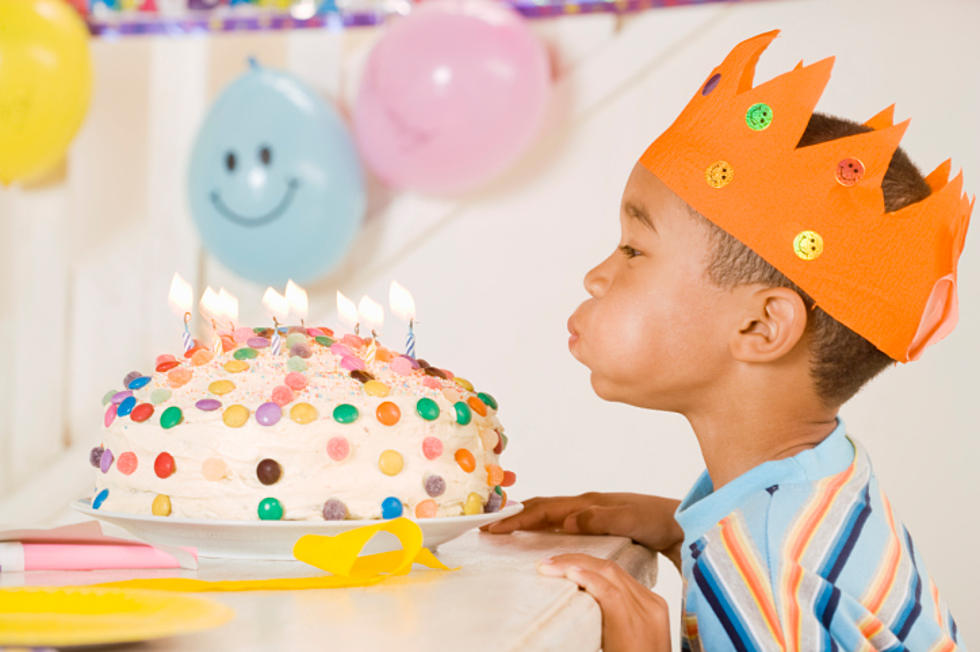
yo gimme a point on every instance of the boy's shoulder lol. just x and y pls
(823, 544)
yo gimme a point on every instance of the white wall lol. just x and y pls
(496, 273)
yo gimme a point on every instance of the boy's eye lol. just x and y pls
(629, 251)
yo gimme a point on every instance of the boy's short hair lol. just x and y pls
(842, 360)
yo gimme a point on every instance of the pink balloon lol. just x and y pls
(451, 95)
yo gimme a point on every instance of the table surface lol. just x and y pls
(495, 601)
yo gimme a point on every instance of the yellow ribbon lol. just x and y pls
(339, 555)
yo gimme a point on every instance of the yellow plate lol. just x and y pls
(69, 615)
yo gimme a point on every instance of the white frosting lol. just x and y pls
(309, 475)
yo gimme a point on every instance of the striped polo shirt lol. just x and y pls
(805, 553)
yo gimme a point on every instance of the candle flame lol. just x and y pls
(181, 296)
(371, 312)
(346, 310)
(401, 301)
(299, 302)
(229, 307)
(210, 304)
(276, 304)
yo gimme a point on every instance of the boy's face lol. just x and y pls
(655, 331)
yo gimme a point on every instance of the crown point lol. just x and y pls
(882, 119)
(938, 177)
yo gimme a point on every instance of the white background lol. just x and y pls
(86, 262)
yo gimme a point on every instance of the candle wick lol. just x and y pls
(357, 329)
(276, 322)
(374, 335)
(302, 322)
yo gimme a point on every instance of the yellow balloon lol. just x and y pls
(45, 84)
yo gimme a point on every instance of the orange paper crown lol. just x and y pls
(817, 213)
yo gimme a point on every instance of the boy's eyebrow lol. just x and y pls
(639, 213)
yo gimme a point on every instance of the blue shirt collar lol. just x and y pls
(703, 507)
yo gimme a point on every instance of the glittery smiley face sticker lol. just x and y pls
(719, 174)
(808, 245)
(850, 171)
(759, 116)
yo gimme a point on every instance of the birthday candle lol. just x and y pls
(403, 304)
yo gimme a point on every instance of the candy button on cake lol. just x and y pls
(318, 428)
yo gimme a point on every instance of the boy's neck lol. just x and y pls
(740, 437)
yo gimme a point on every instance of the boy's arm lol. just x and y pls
(647, 520)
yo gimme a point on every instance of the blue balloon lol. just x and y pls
(276, 187)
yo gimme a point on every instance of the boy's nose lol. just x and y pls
(597, 279)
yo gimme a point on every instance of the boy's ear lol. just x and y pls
(772, 324)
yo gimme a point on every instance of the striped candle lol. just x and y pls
(410, 341)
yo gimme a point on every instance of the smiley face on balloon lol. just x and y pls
(276, 187)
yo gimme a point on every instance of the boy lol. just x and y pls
(772, 261)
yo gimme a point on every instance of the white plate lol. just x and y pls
(274, 539)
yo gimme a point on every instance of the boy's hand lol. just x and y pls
(648, 520)
(633, 616)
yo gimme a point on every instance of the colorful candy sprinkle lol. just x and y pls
(465, 384)
(495, 475)
(427, 409)
(301, 350)
(100, 498)
(161, 505)
(235, 366)
(179, 377)
(130, 377)
(119, 397)
(165, 357)
(127, 405)
(391, 507)
(401, 366)
(110, 415)
(338, 448)
(376, 388)
(107, 397)
(426, 509)
(489, 438)
(390, 462)
(235, 416)
(509, 479)
(127, 463)
(323, 340)
(221, 387)
(303, 413)
(270, 509)
(478, 406)
(245, 353)
(243, 333)
(361, 376)
(282, 395)
(295, 338)
(465, 460)
(494, 503)
(388, 413)
(141, 412)
(258, 342)
(352, 363)
(296, 363)
(171, 417)
(208, 404)
(202, 357)
(166, 365)
(164, 465)
(137, 383)
(345, 413)
(334, 510)
(268, 471)
(473, 504)
(296, 380)
(214, 469)
(502, 444)
(489, 400)
(106, 462)
(431, 447)
(95, 456)
(435, 485)
(160, 395)
(268, 414)
(463, 413)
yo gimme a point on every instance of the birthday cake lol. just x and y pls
(298, 424)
